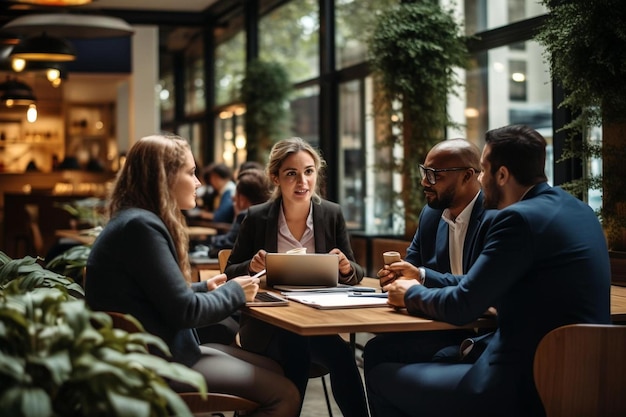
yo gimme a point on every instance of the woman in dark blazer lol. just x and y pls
(139, 265)
(296, 217)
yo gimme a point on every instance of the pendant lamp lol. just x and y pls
(16, 93)
(44, 48)
(55, 2)
(69, 25)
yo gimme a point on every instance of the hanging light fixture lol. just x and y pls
(55, 2)
(16, 93)
(69, 25)
(44, 48)
(31, 113)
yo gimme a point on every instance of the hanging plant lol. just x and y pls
(265, 92)
(415, 49)
(585, 44)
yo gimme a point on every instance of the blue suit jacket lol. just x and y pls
(545, 264)
(430, 245)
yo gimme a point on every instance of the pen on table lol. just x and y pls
(259, 274)
(368, 294)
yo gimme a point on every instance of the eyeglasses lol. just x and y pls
(431, 173)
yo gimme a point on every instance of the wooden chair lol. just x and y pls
(580, 370)
(214, 403)
(222, 258)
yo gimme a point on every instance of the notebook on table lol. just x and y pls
(302, 271)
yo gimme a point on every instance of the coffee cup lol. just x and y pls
(390, 257)
(297, 251)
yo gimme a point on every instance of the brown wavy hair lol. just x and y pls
(146, 181)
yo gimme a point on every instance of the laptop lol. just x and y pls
(301, 271)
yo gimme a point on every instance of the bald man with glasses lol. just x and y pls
(450, 236)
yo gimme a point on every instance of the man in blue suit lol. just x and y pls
(449, 238)
(544, 264)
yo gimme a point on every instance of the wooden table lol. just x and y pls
(200, 232)
(308, 321)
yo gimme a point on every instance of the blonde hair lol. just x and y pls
(284, 149)
(146, 181)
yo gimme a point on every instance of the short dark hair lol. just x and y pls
(519, 148)
(221, 170)
(254, 185)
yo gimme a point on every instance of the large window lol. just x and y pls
(354, 20)
(289, 35)
(194, 77)
(230, 61)
(506, 86)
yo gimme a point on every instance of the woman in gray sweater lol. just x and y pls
(139, 265)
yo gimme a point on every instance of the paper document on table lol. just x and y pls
(327, 301)
(286, 289)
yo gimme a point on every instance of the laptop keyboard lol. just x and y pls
(266, 297)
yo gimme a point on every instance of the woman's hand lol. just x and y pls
(249, 285)
(345, 267)
(257, 263)
(214, 282)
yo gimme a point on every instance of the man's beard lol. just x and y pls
(492, 196)
(442, 200)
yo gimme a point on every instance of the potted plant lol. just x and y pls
(585, 45)
(415, 49)
(59, 358)
(265, 92)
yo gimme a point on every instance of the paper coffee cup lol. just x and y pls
(296, 251)
(391, 257)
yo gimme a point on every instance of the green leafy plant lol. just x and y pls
(87, 211)
(71, 262)
(59, 358)
(585, 44)
(414, 49)
(265, 92)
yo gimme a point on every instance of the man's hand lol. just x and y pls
(398, 270)
(397, 289)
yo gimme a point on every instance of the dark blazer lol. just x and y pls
(430, 245)
(133, 268)
(259, 230)
(545, 264)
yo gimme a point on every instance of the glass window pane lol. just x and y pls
(481, 15)
(165, 93)
(305, 114)
(492, 98)
(230, 58)
(352, 156)
(352, 16)
(194, 77)
(289, 35)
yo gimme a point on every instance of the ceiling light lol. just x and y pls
(44, 48)
(16, 93)
(56, 2)
(69, 25)
(31, 113)
(18, 64)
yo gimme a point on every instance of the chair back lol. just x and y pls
(213, 402)
(222, 259)
(580, 370)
